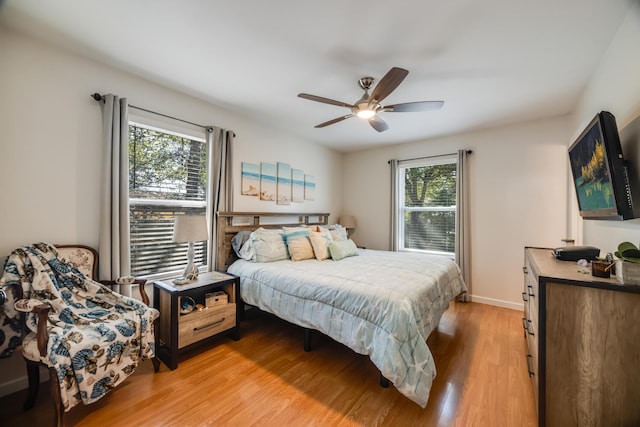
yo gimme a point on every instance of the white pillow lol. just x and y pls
(247, 251)
(268, 245)
(320, 242)
(239, 241)
(337, 231)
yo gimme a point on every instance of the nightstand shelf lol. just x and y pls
(178, 332)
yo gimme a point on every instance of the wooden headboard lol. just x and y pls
(230, 223)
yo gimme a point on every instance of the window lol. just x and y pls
(167, 177)
(427, 205)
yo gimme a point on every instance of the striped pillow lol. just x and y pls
(298, 243)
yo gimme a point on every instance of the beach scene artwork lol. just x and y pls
(267, 181)
(297, 185)
(250, 179)
(309, 187)
(276, 182)
(284, 184)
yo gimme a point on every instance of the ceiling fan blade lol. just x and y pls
(388, 83)
(378, 124)
(324, 100)
(414, 106)
(336, 120)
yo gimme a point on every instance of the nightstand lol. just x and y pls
(179, 331)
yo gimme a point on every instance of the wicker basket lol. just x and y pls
(216, 298)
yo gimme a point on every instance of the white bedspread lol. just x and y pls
(382, 304)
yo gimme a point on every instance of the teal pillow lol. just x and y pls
(342, 249)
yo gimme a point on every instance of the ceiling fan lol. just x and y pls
(369, 106)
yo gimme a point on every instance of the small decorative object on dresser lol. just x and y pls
(601, 268)
(576, 253)
(628, 270)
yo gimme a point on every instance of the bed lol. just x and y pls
(378, 303)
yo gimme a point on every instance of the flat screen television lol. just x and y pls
(599, 171)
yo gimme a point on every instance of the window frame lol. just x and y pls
(401, 207)
(158, 123)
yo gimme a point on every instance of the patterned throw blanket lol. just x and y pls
(96, 336)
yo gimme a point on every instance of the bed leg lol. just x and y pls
(307, 339)
(384, 383)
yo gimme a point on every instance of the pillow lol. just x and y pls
(342, 249)
(239, 240)
(268, 245)
(338, 232)
(247, 251)
(320, 242)
(298, 243)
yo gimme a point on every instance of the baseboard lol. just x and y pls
(14, 385)
(10, 384)
(499, 303)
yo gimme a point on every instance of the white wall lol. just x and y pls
(51, 159)
(518, 197)
(615, 87)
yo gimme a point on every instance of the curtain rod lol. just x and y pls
(432, 157)
(99, 98)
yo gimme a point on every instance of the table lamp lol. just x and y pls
(190, 228)
(348, 222)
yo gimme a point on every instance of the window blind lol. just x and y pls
(167, 177)
(428, 206)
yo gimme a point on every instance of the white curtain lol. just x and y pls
(463, 257)
(393, 244)
(221, 196)
(114, 212)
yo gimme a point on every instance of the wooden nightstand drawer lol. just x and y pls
(202, 324)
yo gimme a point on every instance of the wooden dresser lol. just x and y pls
(583, 342)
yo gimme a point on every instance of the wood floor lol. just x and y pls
(266, 379)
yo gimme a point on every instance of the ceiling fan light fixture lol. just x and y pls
(366, 113)
(369, 105)
(365, 109)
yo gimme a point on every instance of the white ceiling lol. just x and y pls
(493, 62)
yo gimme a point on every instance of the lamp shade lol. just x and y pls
(347, 221)
(190, 228)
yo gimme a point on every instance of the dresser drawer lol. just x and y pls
(532, 367)
(532, 296)
(202, 324)
(532, 348)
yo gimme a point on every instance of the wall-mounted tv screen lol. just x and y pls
(599, 171)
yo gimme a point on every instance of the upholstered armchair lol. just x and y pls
(89, 337)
